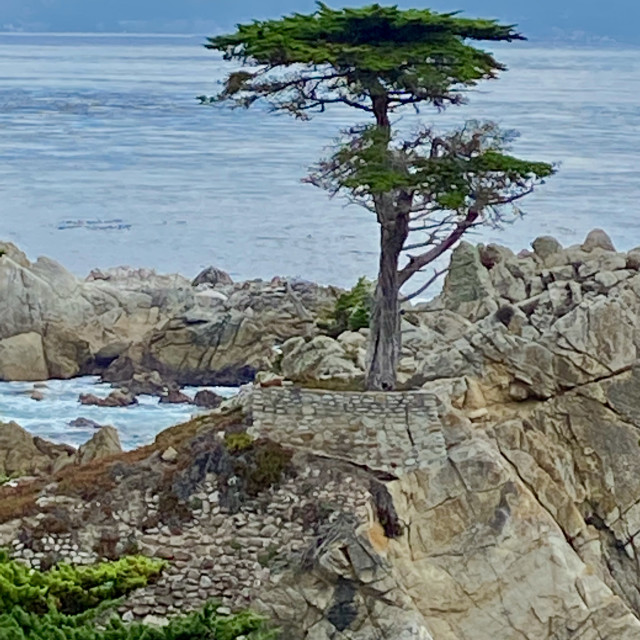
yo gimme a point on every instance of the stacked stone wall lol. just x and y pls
(385, 431)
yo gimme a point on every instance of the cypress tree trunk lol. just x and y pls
(392, 209)
(383, 350)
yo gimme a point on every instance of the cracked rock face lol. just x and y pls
(530, 326)
(528, 526)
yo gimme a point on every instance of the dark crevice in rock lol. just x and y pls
(385, 509)
(343, 611)
(622, 569)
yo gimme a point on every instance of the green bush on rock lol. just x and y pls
(203, 625)
(352, 310)
(72, 590)
(75, 603)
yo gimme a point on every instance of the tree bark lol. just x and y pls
(383, 351)
(392, 209)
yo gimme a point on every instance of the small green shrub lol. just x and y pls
(77, 603)
(268, 466)
(238, 442)
(352, 310)
(203, 625)
(72, 590)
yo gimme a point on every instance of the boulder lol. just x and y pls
(546, 246)
(77, 319)
(117, 398)
(597, 239)
(169, 455)
(104, 444)
(146, 383)
(212, 276)
(84, 423)
(175, 396)
(21, 453)
(322, 361)
(22, 358)
(467, 280)
(268, 379)
(207, 399)
(9, 251)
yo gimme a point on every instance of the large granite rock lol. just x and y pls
(22, 358)
(104, 444)
(531, 326)
(136, 321)
(228, 343)
(23, 454)
(324, 362)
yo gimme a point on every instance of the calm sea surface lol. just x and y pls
(106, 158)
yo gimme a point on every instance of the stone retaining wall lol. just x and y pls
(385, 431)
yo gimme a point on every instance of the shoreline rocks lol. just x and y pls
(117, 398)
(22, 454)
(125, 322)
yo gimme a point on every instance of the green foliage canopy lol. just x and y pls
(303, 62)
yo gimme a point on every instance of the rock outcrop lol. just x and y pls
(116, 398)
(321, 508)
(22, 358)
(531, 326)
(23, 454)
(104, 444)
(137, 321)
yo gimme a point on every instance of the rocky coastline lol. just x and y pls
(122, 322)
(495, 495)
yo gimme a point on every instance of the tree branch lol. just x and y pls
(425, 286)
(418, 262)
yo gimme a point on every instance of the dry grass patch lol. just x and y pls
(20, 501)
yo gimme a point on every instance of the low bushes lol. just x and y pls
(72, 590)
(202, 625)
(76, 603)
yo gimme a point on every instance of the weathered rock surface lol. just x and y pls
(175, 396)
(228, 343)
(212, 276)
(137, 321)
(323, 361)
(84, 423)
(116, 398)
(22, 358)
(23, 454)
(207, 399)
(103, 444)
(530, 326)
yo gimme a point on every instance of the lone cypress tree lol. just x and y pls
(379, 60)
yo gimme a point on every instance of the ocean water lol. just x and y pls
(49, 418)
(106, 158)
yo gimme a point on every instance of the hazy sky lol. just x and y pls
(581, 20)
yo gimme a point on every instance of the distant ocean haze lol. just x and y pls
(107, 159)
